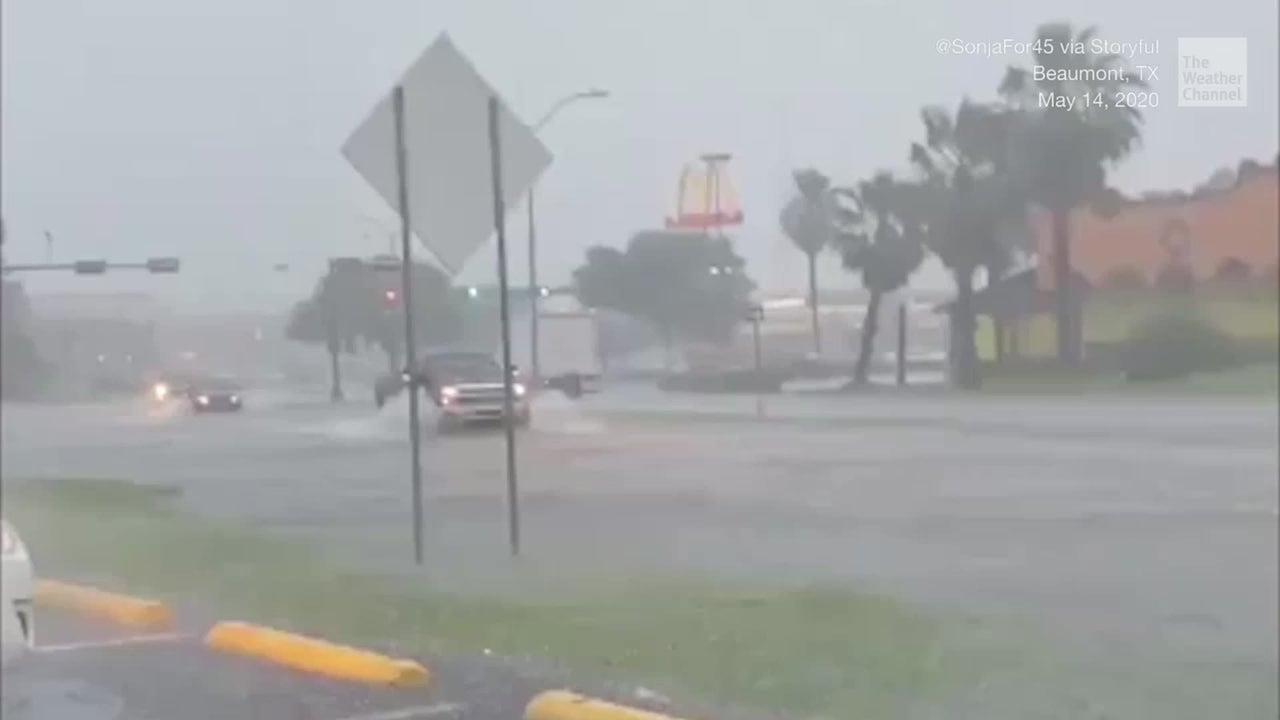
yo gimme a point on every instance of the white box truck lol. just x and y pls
(568, 350)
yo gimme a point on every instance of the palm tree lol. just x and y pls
(807, 220)
(874, 241)
(1064, 153)
(962, 205)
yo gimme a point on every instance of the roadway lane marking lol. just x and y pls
(115, 642)
(418, 712)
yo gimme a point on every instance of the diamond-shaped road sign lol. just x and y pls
(447, 144)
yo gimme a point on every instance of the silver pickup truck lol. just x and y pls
(466, 386)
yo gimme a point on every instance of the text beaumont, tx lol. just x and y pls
(1119, 75)
(1204, 85)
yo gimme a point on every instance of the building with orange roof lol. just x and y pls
(1224, 236)
(1208, 234)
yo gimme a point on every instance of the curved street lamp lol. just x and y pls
(534, 294)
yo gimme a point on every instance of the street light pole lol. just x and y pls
(534, 290)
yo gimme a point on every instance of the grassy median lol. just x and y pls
(823, 653)
(1259, 382)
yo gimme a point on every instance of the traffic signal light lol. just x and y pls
(391, 297)
(90, 267)
(163, 265)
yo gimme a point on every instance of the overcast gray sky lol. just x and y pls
(211, 130)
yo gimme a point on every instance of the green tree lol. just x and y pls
(963, 205)
(358, 303)
(1063, 153)
(22, 370)
(876, 241)
(687, 285)
(808, 220)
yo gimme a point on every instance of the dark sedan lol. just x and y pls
(215, 397)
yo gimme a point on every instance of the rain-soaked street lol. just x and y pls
(1143, 524)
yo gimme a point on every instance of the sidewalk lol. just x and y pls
(1193, 419)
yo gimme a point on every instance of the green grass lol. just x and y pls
(818, 652)
(1257, 381)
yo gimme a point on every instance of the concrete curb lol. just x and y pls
(565, 705)
(310, 655)
(102, 605)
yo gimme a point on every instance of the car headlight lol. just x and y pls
(8, 541)
(203, 399)
(160, 391)
(235, 399)
(518, 389)
(448, 394)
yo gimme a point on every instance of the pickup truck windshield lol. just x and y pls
(464, 367)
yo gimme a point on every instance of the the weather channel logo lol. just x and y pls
(1212, 72)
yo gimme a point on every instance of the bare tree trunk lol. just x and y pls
(902, 344)
(393, 359)
(1067, 350)
(999, 332)
(813, 303)
(866, 344)
(968, 374)
(334, 345)
(335, 374)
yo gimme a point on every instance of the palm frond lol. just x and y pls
(1015, 83)
(937, 126)
(922, 159)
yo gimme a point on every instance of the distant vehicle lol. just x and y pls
(215, 396)
(568, 350)
(16, 591)
(467, 387)
(169, 386)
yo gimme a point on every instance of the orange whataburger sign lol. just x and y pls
(1198, 234)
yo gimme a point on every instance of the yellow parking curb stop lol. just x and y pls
(122, 609)
(310, 655)
(565, 705)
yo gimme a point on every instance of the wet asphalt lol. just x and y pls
(1144, 526)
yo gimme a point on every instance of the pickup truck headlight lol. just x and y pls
(518, 389)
